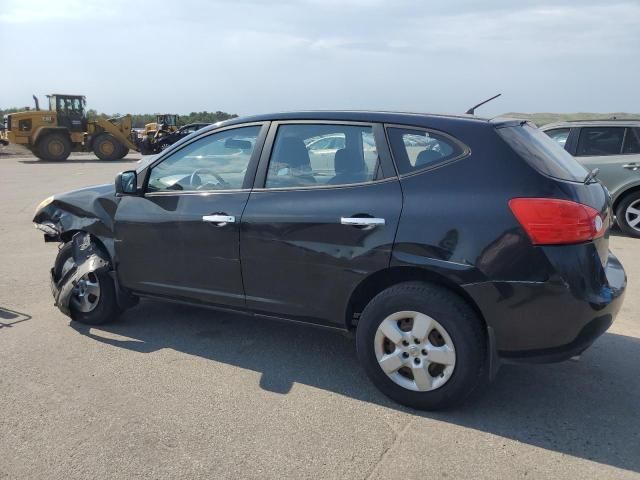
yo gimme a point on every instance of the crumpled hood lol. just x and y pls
(91, 209)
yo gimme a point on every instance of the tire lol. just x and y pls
(106, 147)
(462, 327)
(53, 147)
(106, 308)
(124, 151)
(626, 216)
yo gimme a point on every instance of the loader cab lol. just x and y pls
(170, 120)
(70, 111)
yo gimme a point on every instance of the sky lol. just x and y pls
(252, 56)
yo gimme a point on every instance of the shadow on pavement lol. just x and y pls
(587, 409)
(13, 316)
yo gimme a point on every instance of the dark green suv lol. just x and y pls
(612, 146)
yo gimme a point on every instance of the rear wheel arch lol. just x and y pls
(621, 196)
(383, 279)
(44, 131)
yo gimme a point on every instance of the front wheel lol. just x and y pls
(106, 147)
(628, 214)
(422, 345)
(93, 300)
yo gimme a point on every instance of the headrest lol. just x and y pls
(347, 160)
(426, 157)
(293, 152)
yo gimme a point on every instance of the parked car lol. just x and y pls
(491, 243)
(612, 146)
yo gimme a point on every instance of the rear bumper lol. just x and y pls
(553, 320)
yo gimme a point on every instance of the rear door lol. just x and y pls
(313, 230)
(615, 151)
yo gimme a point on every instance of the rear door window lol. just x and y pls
(598, 141)
(542, 153)
(415, 150)
(312, 155)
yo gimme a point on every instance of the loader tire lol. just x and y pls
(53, 147)
(107, 147)
(124, 151)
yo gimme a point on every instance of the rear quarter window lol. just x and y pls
(542, 153)
(415, 150)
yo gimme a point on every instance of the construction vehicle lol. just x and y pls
(165, 121)
(54, 133)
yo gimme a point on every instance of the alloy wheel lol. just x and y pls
(632, 215)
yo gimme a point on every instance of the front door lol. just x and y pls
(181, 238)
(317, 226)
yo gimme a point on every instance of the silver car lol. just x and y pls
(612, 146)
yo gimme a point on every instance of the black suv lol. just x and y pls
(446, 243)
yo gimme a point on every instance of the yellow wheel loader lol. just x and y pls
(54, 133)
(168, 121)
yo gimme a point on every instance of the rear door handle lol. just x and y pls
(219, 219)
(631, 166)
(362, 221)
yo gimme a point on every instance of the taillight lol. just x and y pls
(550, 221)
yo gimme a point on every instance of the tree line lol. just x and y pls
(140, 119)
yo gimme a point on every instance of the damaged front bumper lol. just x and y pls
(87, 258)
(51, 232)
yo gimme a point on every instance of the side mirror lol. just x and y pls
(127, 183)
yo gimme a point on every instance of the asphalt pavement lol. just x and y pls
(170, 391)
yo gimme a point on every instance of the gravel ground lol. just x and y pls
(180, 392)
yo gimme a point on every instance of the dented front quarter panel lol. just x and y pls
(90, 210)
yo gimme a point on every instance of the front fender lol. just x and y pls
(89, 210)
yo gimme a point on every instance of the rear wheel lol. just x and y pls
(106, 147)
(93, 300)
(628, 214)
(422, 345)
(53, 147)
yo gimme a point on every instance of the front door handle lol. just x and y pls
(362, 221)
(219, 219)
(632, 166)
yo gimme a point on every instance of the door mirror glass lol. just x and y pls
(127, 183)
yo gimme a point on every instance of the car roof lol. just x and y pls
(409, 118)
(608, 122)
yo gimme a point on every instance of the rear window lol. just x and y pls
(542, 153)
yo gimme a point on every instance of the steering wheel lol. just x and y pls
(196, 181)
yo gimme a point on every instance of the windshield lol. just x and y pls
(542, 153)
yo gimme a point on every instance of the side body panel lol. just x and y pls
(299, 261)
(163, 246)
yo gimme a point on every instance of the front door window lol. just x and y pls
(216, 162)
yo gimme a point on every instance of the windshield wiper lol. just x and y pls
(591, 176)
